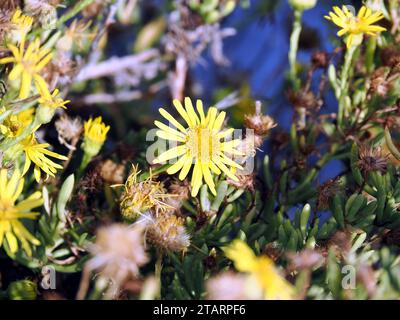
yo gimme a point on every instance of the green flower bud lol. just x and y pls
(44, 114)
(302, 4)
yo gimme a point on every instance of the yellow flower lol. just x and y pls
(48, 103)
(355, 26)
(95, 133)
(27, 66)
(36, 153)
(22, 24)
(52, 101)
(200, 144)
(13, 125)
(262, 268)
(11, 229)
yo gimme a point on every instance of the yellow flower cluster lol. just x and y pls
(25, 63)
(262, 268)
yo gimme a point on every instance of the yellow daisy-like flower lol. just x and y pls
(262, 268)
(95, 133)
(201, 143)
(13, 125)
(22, 24)
(36, 153)
(11, 228)
(27, 66)
(355, 26)
(48, 103)
(52, 101)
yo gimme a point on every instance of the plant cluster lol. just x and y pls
(91, 209)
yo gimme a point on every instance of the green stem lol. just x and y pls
(74, 11)
(294, 46)
(157, 271)
(344, 83)
(85, 161)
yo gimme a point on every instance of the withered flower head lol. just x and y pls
(232, 286)
(180, 188)
(180, 191)
(379, 83)
(390, 57)
(69, 130)
(93, 9)
(10, 5)
(340, 243)
(246, 181)
(142, 196)
(261, 124)
(44, 11)
(372, 159)
(60, 70)
(5, 23)
(167, 231)
(320, 59)
(118, 253)
(111, 172)
(326, 192)
(303, 99)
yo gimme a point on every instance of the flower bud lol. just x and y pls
(94, 137)
(302, 4)
(44, 114)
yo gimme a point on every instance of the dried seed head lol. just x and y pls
(258, 122)
(92, 182)
(60, 70)
(5, 23)
(180, 188)
(340, 242)
(326, 192)
(69, 130)
(43, 11)
(111, 172)
(303, 99)
(320, 59)
(232, 286)
(180, 191)
(390, 57)
(93, 9)
(380, 85)
(167, 232)
(246, 181)
(118, 253)
(372, 159)
(10, 5)
(141, 196)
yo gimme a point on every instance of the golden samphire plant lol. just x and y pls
(137, 151)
